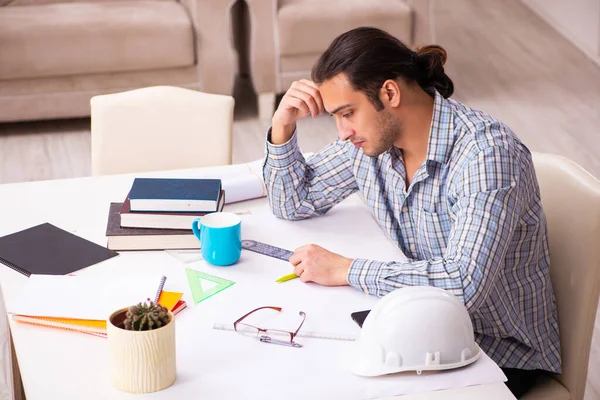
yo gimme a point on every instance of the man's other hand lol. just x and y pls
(313, 263)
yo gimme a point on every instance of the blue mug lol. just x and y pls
(220, 236)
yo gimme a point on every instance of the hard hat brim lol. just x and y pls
(363, 366)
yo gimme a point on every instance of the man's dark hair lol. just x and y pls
(370, 56)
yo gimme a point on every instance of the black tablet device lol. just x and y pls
(359, 316)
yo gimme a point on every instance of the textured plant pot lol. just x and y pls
(140, 361)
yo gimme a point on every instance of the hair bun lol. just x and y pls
(430, 60)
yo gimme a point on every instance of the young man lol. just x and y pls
(452, 186)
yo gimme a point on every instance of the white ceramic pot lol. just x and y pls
(141, 361)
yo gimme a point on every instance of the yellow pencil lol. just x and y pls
(287, 278)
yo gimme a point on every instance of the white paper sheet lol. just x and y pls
(333, 364)
(240, 181)
(322, 361)
(249, 186)
(80, 297)
(316, 371)
(186, 256)
(483, 371)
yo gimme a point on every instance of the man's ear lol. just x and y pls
(390, 93)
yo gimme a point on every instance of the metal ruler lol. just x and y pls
(267, 249)
(306, 334)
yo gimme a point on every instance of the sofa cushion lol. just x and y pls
(309, 26)
(99, 37)
(39, 2)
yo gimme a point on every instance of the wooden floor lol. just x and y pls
(502, 59)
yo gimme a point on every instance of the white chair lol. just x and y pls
(160, 128)
(571, 201)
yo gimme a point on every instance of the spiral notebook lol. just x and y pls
(48, 250)
(81, 296)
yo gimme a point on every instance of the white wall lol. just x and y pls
(577, 20)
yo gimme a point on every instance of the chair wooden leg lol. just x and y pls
(266, 106)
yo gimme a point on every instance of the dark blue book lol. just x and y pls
(169, 195)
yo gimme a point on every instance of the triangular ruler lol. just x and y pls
(204, 285)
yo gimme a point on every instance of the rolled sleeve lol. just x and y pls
(364, 275)
(282, 155)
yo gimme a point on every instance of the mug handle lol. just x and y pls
(197, 232)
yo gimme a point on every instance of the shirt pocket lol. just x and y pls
(433, 230)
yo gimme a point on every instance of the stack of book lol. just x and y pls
(158, 213)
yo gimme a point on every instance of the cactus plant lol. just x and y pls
(146, 316)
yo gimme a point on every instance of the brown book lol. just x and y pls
(161, 220)
(120, 238)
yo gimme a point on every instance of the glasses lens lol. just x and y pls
(247, 330)
(277, 334)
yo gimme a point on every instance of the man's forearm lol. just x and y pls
(281, 134)
(282, 169)
(379, 278)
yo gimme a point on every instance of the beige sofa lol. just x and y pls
(56, 54)
(287, 36)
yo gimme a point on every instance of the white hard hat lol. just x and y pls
(415, 328)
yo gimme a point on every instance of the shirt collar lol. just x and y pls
(441, 133)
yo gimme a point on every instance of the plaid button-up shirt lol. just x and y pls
(471, 222)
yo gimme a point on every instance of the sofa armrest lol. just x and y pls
(216, 58)
(423, 22)
(264, 57)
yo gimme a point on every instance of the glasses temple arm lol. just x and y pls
(303, 314)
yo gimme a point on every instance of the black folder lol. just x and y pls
(48, 250)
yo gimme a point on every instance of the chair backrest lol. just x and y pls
(160, 128)
(571, 202)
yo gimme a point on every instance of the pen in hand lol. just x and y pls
(287, 278)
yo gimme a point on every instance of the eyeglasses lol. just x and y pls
(266, 335)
